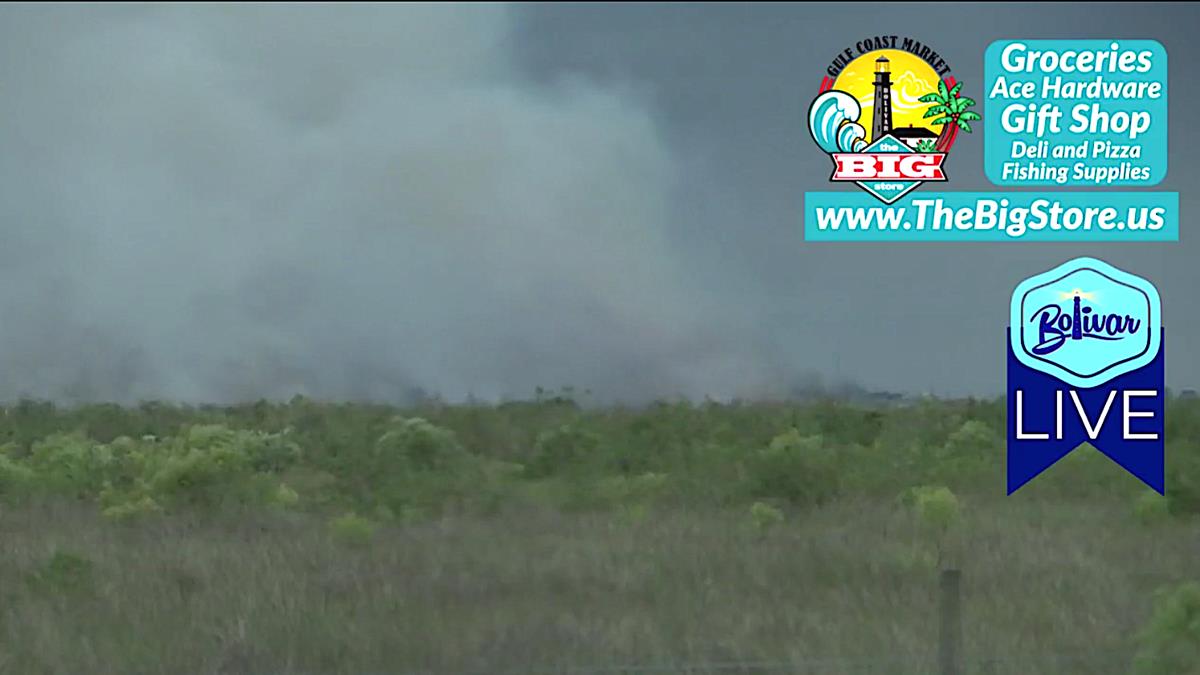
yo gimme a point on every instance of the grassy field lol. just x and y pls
(545, 538)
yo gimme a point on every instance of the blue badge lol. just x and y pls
(1085, 364)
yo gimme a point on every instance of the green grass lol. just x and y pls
(275, 593)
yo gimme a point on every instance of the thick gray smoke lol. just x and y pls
(221, 203)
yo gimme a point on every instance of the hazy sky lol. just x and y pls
(216, 203)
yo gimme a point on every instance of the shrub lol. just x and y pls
(970, 450)
(418, 465)
(15, 479)
(937, 511)
(263, 452)
(133, 509)
(764, 516)
(209, 436)
(321, 489)
(201, 477)
(285, 497)
(972, 443)
(565, 450)
(270, 453)
(213, 464)
(800, 469)
(352, 530)
(69, 464)
(936, 507)
(416, 445)
(1170, 642)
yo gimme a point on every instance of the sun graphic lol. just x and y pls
(912, 78)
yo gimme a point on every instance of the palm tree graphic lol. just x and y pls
(951, 111)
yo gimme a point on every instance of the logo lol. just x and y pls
(914, 106)
(1085, 322)
(1085, 364)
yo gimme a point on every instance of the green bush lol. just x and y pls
(419, 466)
(970, 451)
(936, 508)
(1170, 642)
(320, 489)
(263, 452)
(937, 512)
(417, 445)
(201, 477)
(133, 509)
(765, 517)
(800, 469)
(70, 464)
(285, 497)
(214, 465)
(352, 530)
(15, 478)
(565, 450)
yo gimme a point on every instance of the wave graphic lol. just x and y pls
(851, 137)
(833, 122)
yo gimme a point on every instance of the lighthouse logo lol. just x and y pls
(904, 92)
(1085, 364)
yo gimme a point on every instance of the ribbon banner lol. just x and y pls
(1085, 364)
(1123, 419)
